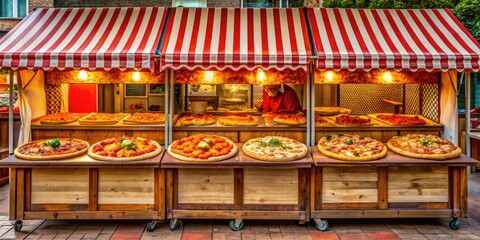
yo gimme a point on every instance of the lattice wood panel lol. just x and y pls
(367, 98)
(54, 98)
(412, 99)
(430, 101)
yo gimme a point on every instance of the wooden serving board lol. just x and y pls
(429, 121)
(84, 121)
(58, 123)
(130, 122)
(375, 123)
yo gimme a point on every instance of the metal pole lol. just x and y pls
(308, 92)
(312, 102)
(467, 115)
(167, 113)
(10, 113)
(172, 107)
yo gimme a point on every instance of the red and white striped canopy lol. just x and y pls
(236, 38)
(421, 39)
(84, 38)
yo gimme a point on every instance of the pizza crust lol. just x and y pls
(265, 157)
(291, 120)
(125, 159)
(17, 153)
(232, 153)
(455, 153)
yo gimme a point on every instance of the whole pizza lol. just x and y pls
(401, 120)
(124, 149)
(202, 148)
(197, 119)
(351, 147)
(424, 146)
(61, 118)
(238, 119)
(275, 149)
(51, 149)
(102, 118)
(145, 118)
(350, 120)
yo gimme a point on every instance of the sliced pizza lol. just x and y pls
(350, 147)
(424, 146)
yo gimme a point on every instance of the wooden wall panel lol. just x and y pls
(126, 186)
(270, 186)
(59, 186)
(417, 184)
(205, 186)
(350, 185)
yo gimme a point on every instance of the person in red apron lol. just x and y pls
(280, 97)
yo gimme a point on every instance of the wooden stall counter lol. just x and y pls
(237, 188)
(93, 133)
(392, 187)
(84, 188)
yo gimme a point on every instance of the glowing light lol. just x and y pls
(329, 76)
(136, 76)
(83, 75)
(234, 88)
(209, 76)
(387, 77)
(261, 75)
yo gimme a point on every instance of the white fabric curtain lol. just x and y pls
(448, 106)
(32, 101)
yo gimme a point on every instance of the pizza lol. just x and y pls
(282, 112)
(124, 149)
(145, 118)
(197, 119)
(401, 120)
(328, 111)
(275, 149)
(351, 147)
(290, 119)
(102, 118)
(61, 118)
(269, 117)
(350, 120)
(202, 148)
(51, 149)
(424, 146)
(319, 121)
(238, 119)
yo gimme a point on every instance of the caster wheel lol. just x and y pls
(235, 228)
(151, 225)
(175, 224)
(17, 225)
(454, 224)
(322, 225)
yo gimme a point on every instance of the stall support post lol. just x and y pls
(171, 106)
(467, 114)
(167, 109)
(311, 119)
(10, 112)
(309, 112)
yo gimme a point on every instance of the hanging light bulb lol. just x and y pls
(387, 77)
(329, 76)
(261, 75)
(209, 76)
(83, 75)
(136, 76)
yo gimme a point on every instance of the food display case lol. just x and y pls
(385, 80)
(81, 187)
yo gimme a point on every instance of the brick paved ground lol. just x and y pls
(383, 229)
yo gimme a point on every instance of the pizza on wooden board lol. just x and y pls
(350, 120)
(238, 119)
(275, 149)
(197, 119)
(102, 118)
(145, 118)
(51, 149)
(351, 147)
(61, 118)
(123, 149)
(401, 120)
(424, 146)
(319, 121)
(328, 111)
(290, 119)
(202, 148)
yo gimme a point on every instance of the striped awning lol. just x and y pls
(236, 38)
(84, 38)
(421, 39)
